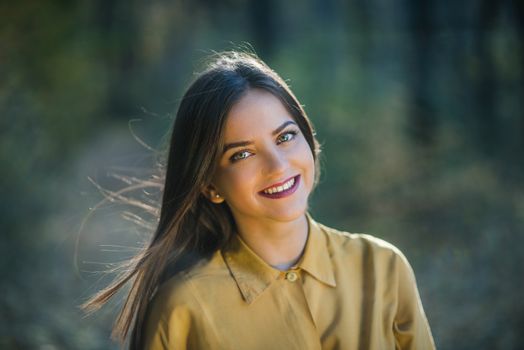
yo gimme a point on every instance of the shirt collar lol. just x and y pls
(317, 259)
(253, 275)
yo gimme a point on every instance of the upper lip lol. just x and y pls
(278, 183)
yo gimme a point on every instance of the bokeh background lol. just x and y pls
(418, 105)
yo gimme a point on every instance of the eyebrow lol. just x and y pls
(231, 145)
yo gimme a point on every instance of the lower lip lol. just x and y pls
(284, 193)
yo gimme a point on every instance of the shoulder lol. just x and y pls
(362, 246)
(369, 258)
(178, 308)
(182, 288)
(360, 241)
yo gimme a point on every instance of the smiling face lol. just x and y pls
(266, 172)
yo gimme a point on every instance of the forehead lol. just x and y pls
(256, 112)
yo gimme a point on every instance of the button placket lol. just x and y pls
(292, 293)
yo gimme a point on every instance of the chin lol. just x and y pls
(289, 214)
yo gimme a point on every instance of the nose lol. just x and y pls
(275, 163)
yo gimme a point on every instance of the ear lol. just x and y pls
(213, 195)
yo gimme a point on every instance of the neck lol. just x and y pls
(277, 243)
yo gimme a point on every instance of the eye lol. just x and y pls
(240, 155)
(286, 136)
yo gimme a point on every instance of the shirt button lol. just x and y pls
(291, 276)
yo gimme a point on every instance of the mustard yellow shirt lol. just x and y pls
(348, 291)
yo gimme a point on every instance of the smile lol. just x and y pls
(282, 189)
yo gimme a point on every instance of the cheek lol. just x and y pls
(307, 163)
(235, 182)
(311, 177)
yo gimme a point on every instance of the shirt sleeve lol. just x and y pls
(410, 327)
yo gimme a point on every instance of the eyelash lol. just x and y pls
(234, 158)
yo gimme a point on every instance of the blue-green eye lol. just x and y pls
(287, 136)
(240, 155)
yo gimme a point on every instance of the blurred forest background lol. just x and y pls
(418, 104)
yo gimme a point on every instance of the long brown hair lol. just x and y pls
(190, 227)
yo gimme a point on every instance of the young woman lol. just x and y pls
(236, 261)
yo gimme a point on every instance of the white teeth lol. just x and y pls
(284, 187)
